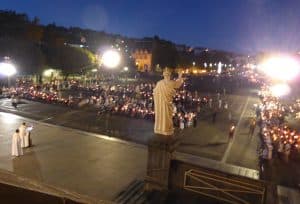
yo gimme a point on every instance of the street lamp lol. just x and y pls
(7, 69)
(219, 68)
(194, 63)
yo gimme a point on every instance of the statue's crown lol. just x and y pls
(167, 72)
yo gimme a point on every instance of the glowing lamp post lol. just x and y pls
(7, 70)
(219, 68)
(280, 68)
(111, 59)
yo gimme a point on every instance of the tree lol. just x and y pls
(164, 53)
(13, 24)
(69, 59)
(36, 20)
(28, 57)
(185, 59)
(54, 36)
(34, 33)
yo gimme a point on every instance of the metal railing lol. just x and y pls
(230, 190)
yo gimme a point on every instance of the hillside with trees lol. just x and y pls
(33, 46)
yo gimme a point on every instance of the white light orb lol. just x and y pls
(111, 59)
(281, 68)
(279, 90)
(219, 68)
(7, 69)
(48, 72)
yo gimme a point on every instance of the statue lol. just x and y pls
(163, 93)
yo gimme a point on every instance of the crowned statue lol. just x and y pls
(164, 93)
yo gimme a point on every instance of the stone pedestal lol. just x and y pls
(160, 149)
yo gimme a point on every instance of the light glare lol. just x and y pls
(219, 68)
(48, 72)
(7, 69)
(111, 59)
(281, 68)
(279, 90)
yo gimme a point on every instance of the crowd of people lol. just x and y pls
(130, 99)
(275, 133)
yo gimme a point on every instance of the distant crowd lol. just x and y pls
(275, 133)
(125, 99)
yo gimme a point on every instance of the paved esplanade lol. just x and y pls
(74, 160)
(207, 140)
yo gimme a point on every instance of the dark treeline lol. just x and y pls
(33, 46)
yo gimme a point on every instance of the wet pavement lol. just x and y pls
(101, 166)
(209, 140)
(89, 164)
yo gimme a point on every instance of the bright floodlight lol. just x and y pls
(279, 90)
(280, 68)
(219, 68)
(48, 72)
(7, 69)
(111, 59)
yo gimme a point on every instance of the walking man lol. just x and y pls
(220, 103)
(252, 127)
(231, 132)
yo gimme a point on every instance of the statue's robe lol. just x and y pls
(163, 93)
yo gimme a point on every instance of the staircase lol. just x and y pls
(134, 194)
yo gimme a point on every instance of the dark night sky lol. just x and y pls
(236, 25)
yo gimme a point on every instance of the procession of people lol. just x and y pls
(275, 134)
(134, 100)
(21, 139)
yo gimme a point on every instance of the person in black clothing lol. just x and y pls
(195, 121)
(214, 116)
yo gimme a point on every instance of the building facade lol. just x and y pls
(143, 60)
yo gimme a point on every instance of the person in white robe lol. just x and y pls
(220, 103)
(163, 93)
(28, 141)
(16, 149)
(210, 102)
(24, 135)
(181, 124)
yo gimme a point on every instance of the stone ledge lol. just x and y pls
(12, 179)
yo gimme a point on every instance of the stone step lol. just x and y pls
(134, 194)
(131, 192)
